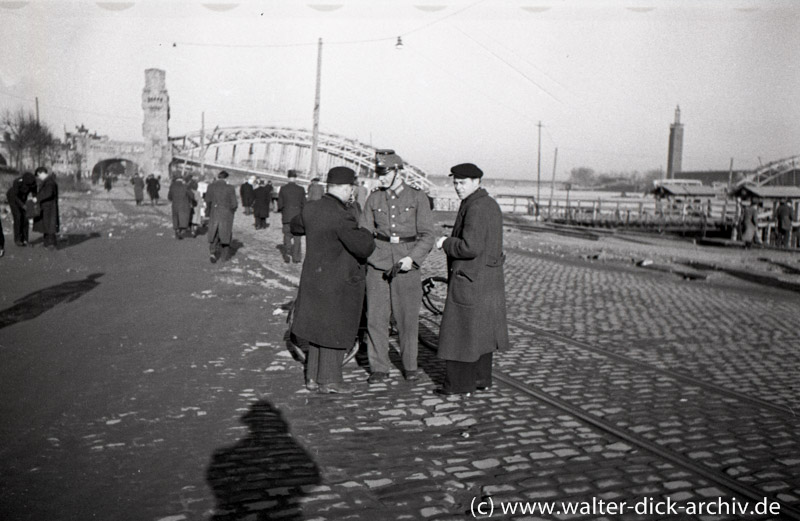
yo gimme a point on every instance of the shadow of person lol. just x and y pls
(34, 304)
(73, 239)
(235, 246)
(260, 477)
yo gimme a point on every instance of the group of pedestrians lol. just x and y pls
(33, 200)
(256, 198)
(783, 218)
(375, 254)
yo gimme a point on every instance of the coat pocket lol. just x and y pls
(464, 288)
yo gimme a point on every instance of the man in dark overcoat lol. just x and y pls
(332, 283)
(138, 188)
(784, 216)
(153, 186)
(182, 199)
(262, 197)
(49, 222)
(315, 190)
(291, 199)
(17, 196)
(222, 203)
(474, 321)
(246, 194)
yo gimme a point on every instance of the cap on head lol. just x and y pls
(386, 162)
(466, 170)
(341, 175)
(291, 173)
(315, 180)
(222, 175)
(41, 170)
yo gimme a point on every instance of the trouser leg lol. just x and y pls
(18, 218)
(50, 239)
(296, 254)
(287, 241)
(459, 377)
(2, 237)
(213, 243)
(406, 296)
(312, 363)
(483, 371)
(330, 365)
(378, 310)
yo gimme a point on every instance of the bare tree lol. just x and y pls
(25, 137)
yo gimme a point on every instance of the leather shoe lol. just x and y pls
(444, 392)
(336, 388)
(375, 378)
(480, 387)
(312, 385)
(412, 376)
(212, 258)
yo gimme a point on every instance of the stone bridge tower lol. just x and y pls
(155, 129)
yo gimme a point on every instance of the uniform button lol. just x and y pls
(392, 216)
(393, 226)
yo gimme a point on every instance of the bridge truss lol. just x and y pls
(272, 151)
(766, 174)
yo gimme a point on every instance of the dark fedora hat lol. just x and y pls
(341, 175)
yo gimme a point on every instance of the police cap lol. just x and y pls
(341, 175)
(385, 162)
(222, 175)
(467, 170)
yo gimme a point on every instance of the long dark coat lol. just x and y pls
(49, 222)
(222, 204)
(291, 199)
(246, 193)
(138, 187)
(182, 199)
(153, 186)
(262, 197)
(474, 320)
(332, 283)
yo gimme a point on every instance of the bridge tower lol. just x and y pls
(675, 145)
(155, 129)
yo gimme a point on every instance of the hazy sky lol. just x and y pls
(471, 83)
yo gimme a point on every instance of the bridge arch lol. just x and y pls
(272, 151)
(784, 172)
(114, 166)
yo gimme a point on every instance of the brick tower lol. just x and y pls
(155, 129)
(675, 145)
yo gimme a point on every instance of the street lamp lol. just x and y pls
(399, 44)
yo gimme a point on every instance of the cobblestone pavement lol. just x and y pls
(269, 449)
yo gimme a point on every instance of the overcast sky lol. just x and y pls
(470, 85)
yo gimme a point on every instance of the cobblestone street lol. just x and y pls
(162, 390)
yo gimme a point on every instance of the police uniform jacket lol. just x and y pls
(182, 199)
(291, 199)
(221, 200)
(262, 197)
(246, 193)
(49, 222)
(332, 283)
(402, 214)
(474, 320)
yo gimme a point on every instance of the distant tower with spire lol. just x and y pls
(675, 145)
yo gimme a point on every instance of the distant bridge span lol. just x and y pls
(272, 151)
(773, 173)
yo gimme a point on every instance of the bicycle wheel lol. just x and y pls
(434, 294)
(300, 354)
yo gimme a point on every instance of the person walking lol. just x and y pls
(107, 182)
(315, 190)
(182, 198)
(784, 215)
(246, 195)
(328, 306)
(49, 222)
(474, 320)
(750, 232)
(401, 221)
(138, 188)
(153, 186)
(262, 196)
(222, 204)
(17, 197)
(291, 199)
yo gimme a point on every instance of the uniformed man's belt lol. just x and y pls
(395, 240)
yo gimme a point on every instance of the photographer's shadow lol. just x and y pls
(260, 477)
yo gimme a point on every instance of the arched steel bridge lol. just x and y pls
(272, 151)
(766, 174)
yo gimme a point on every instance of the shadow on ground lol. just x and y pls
(32, 305)
(261, 476)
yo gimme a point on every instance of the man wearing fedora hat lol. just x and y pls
(315, 190)
(222, 203)
(474, 320)
(401, 220)
(328, 305)
(291, 199)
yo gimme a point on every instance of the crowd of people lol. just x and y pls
(33, 201)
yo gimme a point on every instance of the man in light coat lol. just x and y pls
(474, 320)
(222, 203)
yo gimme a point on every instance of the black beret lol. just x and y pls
(466, 170)
(222, 175)
(341, 175)
(292, 173)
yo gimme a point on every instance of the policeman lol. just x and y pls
(400, 218)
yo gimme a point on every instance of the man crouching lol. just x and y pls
(332, 283)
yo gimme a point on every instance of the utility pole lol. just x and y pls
(37, 110)
(202, 145)
(552, 183)
(539, 167)
(315, 134)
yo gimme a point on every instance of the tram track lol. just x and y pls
(712, 474)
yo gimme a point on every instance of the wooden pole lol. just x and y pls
(539, 164)
(552, 183)
(315, 136)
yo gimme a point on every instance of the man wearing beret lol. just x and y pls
(401, 220)
(474, 321)
(291, 199)
(331, 295)
(222, 203)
